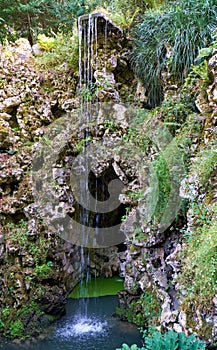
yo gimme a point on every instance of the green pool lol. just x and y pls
(97, 287)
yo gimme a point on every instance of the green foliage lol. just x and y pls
(137, 194)
(2, 324)
(64, 49)
(16, 329)
(138, 235)
(31, 18)
(205, 164)
(132, 347)
(199, 76)
(44, 270)
(136, 134)
(173, 113)
(82, 143)
(116, 5)
(6, 311)
(199, 272)
(164, 184)
(143, 311)
(19, 236)
(111, 125)
(29, 308)
(18, 233)
(168, 341)
(12, 321)
(46, 43)
(207, 51)
(172, 341)
(21, 18)
(169, 36)
(150, 305)
(125, 18)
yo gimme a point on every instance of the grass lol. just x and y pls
(199, 273)
(205, 164)
(173, 35)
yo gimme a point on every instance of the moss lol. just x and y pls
(26, 270)
(15, 323)
(143, 311)
(204, 329)
(205, 163)
(16, 329)
(199, 271)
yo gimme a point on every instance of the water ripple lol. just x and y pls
(82, 327)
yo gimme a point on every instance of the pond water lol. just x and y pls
(98, 287)
(89, 324)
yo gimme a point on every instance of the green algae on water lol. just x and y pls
(97, 288)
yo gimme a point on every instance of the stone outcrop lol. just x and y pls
(154, 261)
(38, 268)
(37, 264)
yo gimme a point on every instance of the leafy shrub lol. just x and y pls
(64, 49)
(18, 234)
(172, 341)
(46, 43)
(43, 271)
(171, 36)
(199, 77)
(173, 113)
(30, 18)
(168, 341)
(125, 19)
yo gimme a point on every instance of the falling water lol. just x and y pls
(84, 323)
(88, 60)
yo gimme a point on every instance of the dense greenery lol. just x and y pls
(58, 49)
(13, 320)
(172, 35)
(142, 312)
(199, 272)
(28, 18)
(22, 18)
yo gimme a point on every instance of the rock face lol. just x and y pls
(105, 69)
(42, 134)
(154, 260)
(38, 268)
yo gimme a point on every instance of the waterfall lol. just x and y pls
(89, 105)
(88, 61)
(92, 190)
